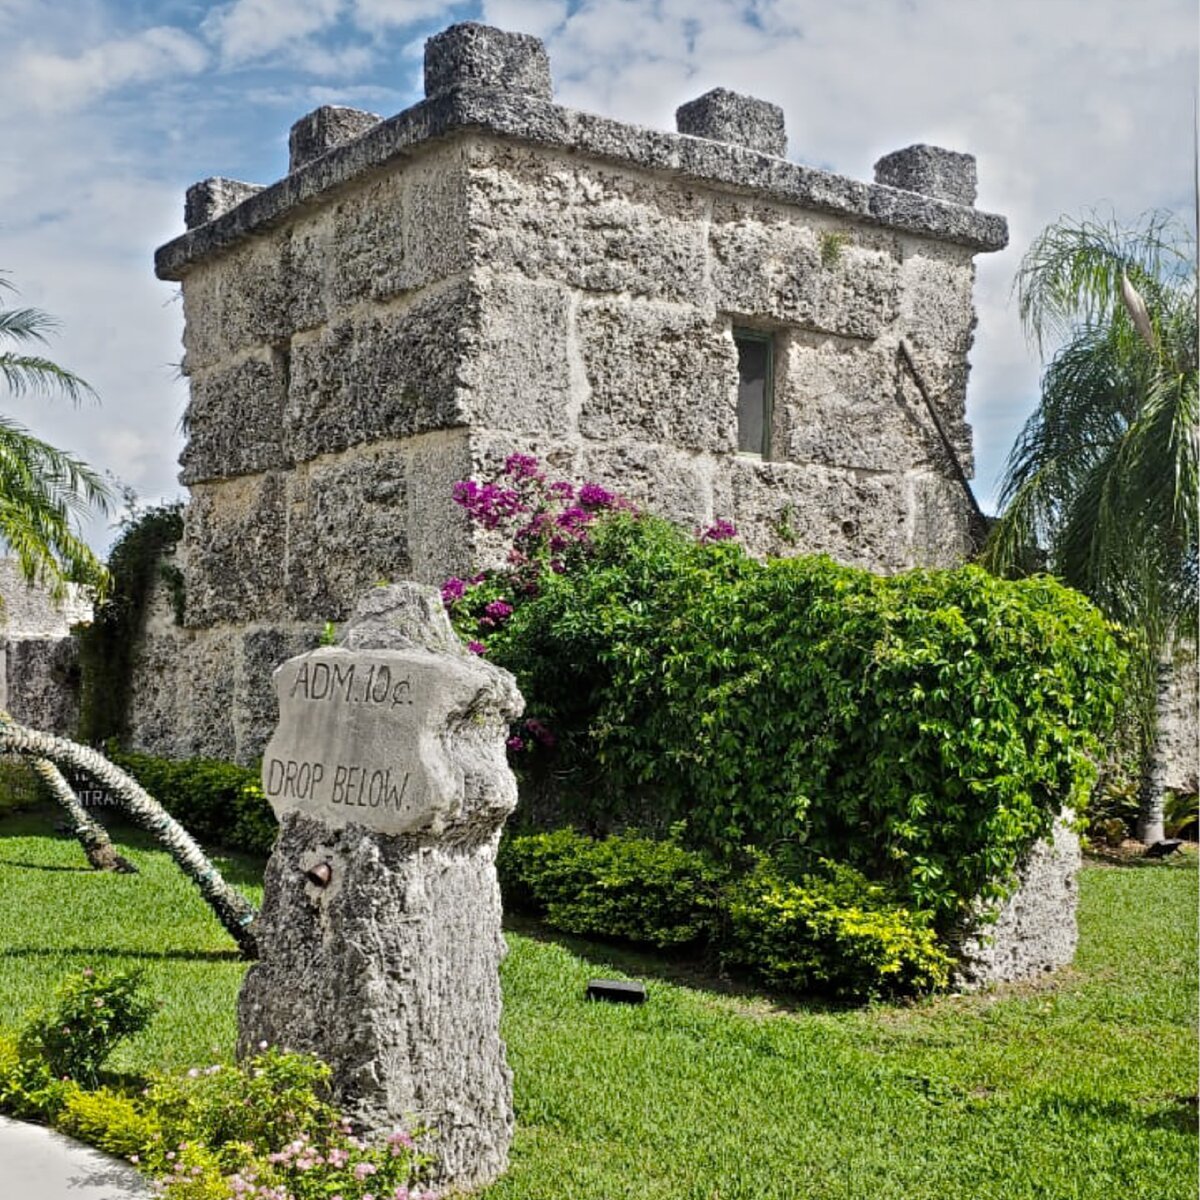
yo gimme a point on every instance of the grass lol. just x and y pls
(1082, 1087)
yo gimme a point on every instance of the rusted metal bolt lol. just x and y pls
(320, 875)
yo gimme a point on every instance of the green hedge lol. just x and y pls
(219, 803)
(925, 727)
(832, 932)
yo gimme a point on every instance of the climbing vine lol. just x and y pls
(106, 647)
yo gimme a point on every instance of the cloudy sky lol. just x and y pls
(113, 107)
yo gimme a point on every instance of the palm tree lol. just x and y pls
(43, 491)
(1102, 482)
(232, 909)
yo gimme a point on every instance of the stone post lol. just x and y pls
(724, 116)
(380, 936)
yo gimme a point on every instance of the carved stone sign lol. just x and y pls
(362, 738)
(379, 937)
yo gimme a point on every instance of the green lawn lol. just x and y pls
(1084, 1087)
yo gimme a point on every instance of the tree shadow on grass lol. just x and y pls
(32, 866)
(102, 952)
(693, 970)
(1173, 1114)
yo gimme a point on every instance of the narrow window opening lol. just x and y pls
(755, 363)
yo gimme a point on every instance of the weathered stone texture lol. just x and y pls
(39, 670)
(860, 518)
(390, 973)
(724, 116)
(473, 55)
(325, 129)
(41, 678)
(1035, 931)
(517, 371)
(839, 404)
(777, 263)
(398, 232)
(233, 550)
(930, 170)
(347, 529)
(388, 374)
(234, 420)
(659, 372)
(211, 198)
(595, 228)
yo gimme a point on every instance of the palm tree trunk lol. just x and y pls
(97, 845)
(232, 909)
(1151, 793)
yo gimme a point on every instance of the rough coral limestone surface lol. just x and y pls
(385, 961)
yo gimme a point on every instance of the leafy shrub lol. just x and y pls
(832, 932)
(28, 1088)
(265, 1128)
(924, 727)
(91, 1015)
(218, 802)
(654, 893)
(838, 934)
(109, 1120)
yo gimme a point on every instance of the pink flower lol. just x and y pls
(477, 647)
(720, 532)
(453, 589)
(363, 1169)
(515, 744)
(88, 972)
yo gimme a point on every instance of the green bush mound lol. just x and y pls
(653, 893)
(217, 802)
(924, 728)
(265, 1127)
(831, 932)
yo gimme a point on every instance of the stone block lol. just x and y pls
(517, 372)
(234, 419)
(211, 198)
(661, 480)
(930, 170)
(388, 373)
(858, 518)
(346, 530)
(325, 129)
(42, 682)
(725, 116)
(399, 231)
(1035, 931)
(232, 550)
(594, 227)
(379, 936)
(657, 372)
(940, 526)
(838, 403)
(258, 295)
(469, 55)
(769, 262)
(441, 542)
(936, 313)
(182, 695)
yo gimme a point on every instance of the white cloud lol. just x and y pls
(55, 82)
(386, 14)
(253, 29)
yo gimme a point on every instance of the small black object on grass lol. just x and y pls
(1163, 848)
(617, 991)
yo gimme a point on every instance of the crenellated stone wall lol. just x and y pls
(488, 272)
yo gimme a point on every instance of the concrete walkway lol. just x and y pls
(38, 1164)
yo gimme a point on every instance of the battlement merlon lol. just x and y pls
(483, 80)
